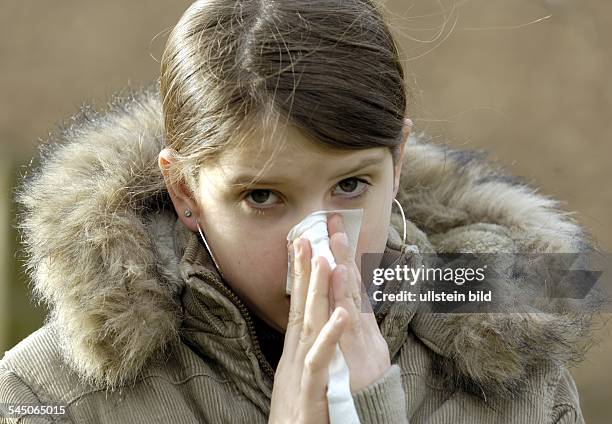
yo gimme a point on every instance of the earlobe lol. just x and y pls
(406, 128)
(397, 173)
(181, 196)
(398, 166)
(395, 187)
(185, 206)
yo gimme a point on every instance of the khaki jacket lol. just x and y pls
(143, 330)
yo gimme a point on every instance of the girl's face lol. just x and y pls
(246, 227)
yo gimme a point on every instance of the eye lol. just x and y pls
(353, 185)
(261, 198)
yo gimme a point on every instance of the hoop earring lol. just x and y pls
(208, 248)
(403, 218)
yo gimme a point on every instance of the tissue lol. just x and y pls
(314, 228)
(340, 403)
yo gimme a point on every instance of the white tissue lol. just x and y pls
(314, 228)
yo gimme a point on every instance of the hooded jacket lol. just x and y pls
(142, 328)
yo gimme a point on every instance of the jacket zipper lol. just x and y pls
(246, 314)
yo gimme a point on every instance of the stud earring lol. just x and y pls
(187, 213)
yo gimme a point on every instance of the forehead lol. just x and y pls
(285, 147)
(283, 142)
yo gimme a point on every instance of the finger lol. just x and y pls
(342, 255)
(316, 363)
(335, 224)
(343, 298)
(316, 310)
(338, 240)
(360, 295)
(365, 305)
(301, 276)
(368, 318)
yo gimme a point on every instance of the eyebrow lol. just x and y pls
(245, 180)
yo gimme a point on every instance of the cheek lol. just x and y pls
(254, 265)
(374, 232)
(265, 261)
(250, 258)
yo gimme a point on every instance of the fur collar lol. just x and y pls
(98, 229)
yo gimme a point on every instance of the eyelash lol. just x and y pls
(262, 211)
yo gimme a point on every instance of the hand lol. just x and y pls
(364, 348)
(299, 394)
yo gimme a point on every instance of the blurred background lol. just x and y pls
(527, 80)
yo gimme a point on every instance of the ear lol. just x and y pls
(181, 196)
(398, 165)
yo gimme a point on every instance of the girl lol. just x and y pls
(156, 231)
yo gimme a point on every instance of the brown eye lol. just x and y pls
(353, 187)
(261, 198)
(348, 185)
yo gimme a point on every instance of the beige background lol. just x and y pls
(526, 79)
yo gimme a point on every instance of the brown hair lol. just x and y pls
(331, 68)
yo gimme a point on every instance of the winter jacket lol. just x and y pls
(142, 329)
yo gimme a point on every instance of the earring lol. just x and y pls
(188, 214)
(208, 248)
(403, 217)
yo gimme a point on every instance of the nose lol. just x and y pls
(304, 211)
(314, 206)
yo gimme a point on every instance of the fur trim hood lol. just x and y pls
(94, 214)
